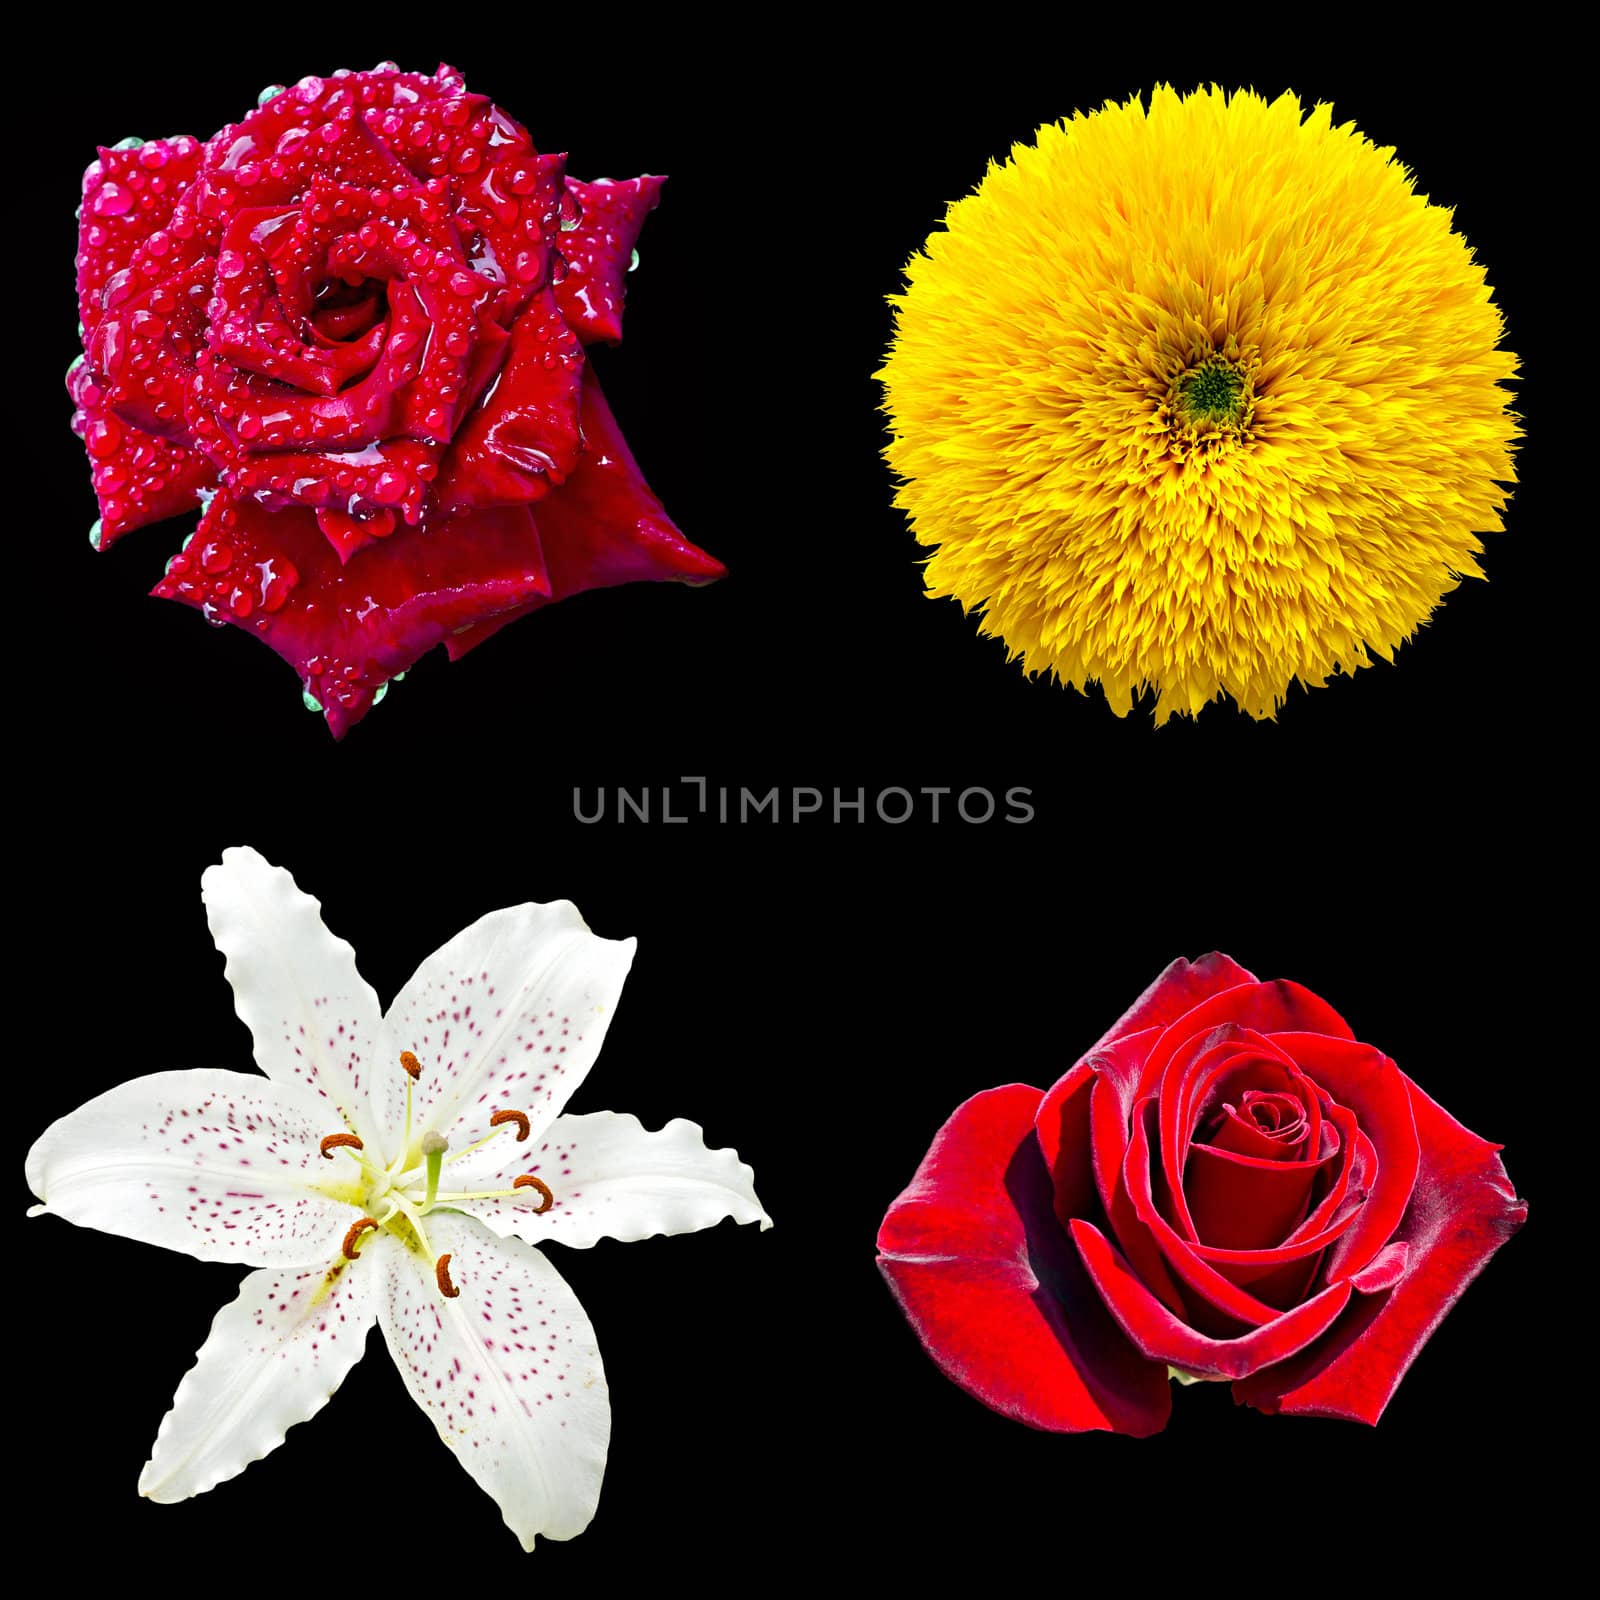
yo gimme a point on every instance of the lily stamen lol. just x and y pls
(528, 1181)
(351, 1251)
(413, 1071)
(337, 1141)
(441, 1273)
(498, 1122)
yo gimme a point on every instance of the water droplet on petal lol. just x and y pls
(309, 700)
(97, 532)
(383, 689)
(271, 92)
(111, 200)
(633, 261)
(129, 143)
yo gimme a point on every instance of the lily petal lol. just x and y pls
(612, 1179)
(274, 1357)
(508, 1372)
(212, 1163)
(312, 1016)
(511, 1013)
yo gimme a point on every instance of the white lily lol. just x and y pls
(395, 1168)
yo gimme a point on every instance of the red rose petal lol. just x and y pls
(1276, 1007)
(1106, 1072)
(347, 630)
(1376, 1091)
(1179, 988)
(1285, 1138)
(1247, 1204)
(1161, 1336)
(128, 200)
(599, 252)
(524, 438)
(994, 1289)
(603, 526)
(138, 478)
(1211, 1298)
(1205, 1068)
(1462, 1209)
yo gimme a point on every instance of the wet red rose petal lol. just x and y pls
(598, 251)
(348, 629)
(604, 527)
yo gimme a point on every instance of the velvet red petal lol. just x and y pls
(1376, 1090)
(1462, 1209)
(1110, 1070)
(1161, 1336)
(599, 252)
(604, 526)
(1210, 1293)
(1277, 1007)
(1197, 1074)
(1245, 1204)
(991, 1284)
(1178, 989)
(347, 630)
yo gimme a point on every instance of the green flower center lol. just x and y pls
(1211, 395)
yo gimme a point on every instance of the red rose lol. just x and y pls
(1227, 1184)
(351, 326)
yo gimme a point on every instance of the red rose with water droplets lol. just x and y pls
(351, 327)
(1227, 1186)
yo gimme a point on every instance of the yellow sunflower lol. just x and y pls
(1202, 398)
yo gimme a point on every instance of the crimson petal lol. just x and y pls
(599, 252)
(524, 438)
(347, 630)
(128, 199)
(1367, 1082)
(993, 1288)
(1108, 1073)
(1177, 990)
(1276, 1007)
(1212, 1298)
(1161, 1336)
(1198, 1073)
(138, 478)
(1462, 1209)
(603, 526)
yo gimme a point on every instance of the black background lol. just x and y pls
(820, 996)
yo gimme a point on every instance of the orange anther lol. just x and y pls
(356, 1230)
(338, 1141)
(528, 1181)
(441, 1271)
(410, 1063)
(511, 1116)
